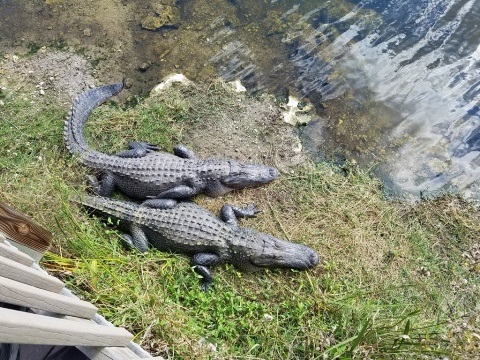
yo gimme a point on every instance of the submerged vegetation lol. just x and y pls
(397, 280)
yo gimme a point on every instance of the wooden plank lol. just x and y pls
(27, 275)
(100, 353)
(12, 253)
(24, 230)
(16, 293)
(27, 328)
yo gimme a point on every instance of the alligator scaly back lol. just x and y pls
(82, 106)
(186, 228)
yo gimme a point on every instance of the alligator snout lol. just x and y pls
(312, 259)
(277, 253)
(302, 258)
(273, 172)
(249, 175)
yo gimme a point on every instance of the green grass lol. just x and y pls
(396, 281)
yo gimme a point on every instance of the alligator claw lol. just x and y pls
(137, 149)
(143, 145)
(251, 210)
(205, 286)
(152, 147)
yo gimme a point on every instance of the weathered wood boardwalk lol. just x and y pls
(37, 309)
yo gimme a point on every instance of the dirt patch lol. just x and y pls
(238, 126)
(55, 77)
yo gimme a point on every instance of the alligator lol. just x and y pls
(142, 171)
(185, 227)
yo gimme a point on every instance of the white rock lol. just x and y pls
(169, 80)
(268, 317)
(237, 86)
(293, 115)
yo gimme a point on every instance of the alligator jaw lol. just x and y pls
(248, 175)
(277, 253)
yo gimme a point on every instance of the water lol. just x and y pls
(424, 62)
(396, 83)
(400, 84)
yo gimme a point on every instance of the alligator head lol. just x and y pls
(248, 175)
(270, 252)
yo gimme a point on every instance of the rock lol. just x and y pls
(87, 32)
(268, 317)
(297, 112)
(128, 83)
(169, 80)
(144, 67)
(237, 86)
(161, 16)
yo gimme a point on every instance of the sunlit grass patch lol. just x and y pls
(396, 280)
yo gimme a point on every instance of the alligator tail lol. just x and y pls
(82, 106)
(105, 207)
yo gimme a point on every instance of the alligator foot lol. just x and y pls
(136, 239)
(103, 188)
(184, 152)
(229, 213)
(137, 149)
(107, 184)
(93, 183)
(127, 241)
(200, 262)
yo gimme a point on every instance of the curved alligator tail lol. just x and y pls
(82, 106)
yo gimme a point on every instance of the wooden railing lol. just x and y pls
(37, 309)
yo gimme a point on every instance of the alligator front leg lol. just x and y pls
(137, 149)
(136, 238)
(200, 262)
(229, 213)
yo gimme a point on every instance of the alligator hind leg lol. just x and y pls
(184, 152)
(136, 239)
(105, 187)
(200, 262)
(137, 149)
(229, 213)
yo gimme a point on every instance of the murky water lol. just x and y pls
(396, 83)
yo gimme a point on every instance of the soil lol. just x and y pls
(257, 134)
